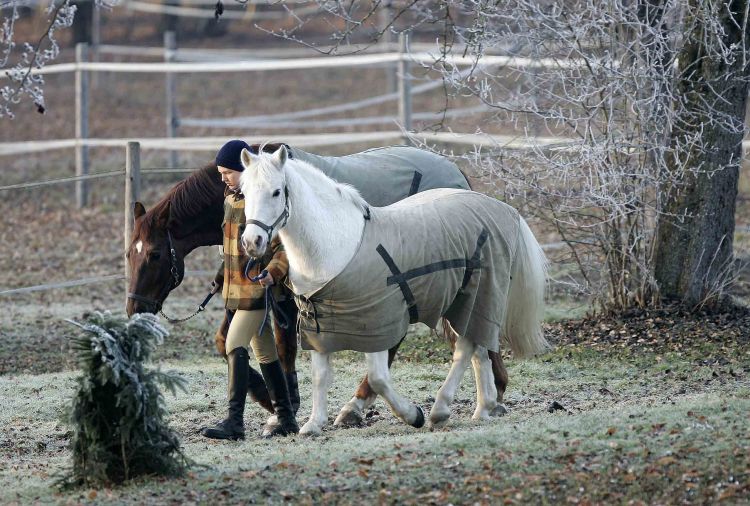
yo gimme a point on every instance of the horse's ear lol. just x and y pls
(247, 158)
(280, 156)
(138, 210)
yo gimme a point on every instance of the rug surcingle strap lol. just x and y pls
(415, 183)
(474, 262)
(411, 302)
(402, 278)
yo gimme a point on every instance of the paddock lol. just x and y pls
(652, 408)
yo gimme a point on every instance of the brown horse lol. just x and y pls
(190, 216)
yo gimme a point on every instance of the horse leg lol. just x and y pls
(353, 411)
(486, 391)
(286, 345)
(380, 380)
(322, 377)
(286, 348)
(500, 373)
(461, 357)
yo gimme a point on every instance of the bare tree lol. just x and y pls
(18, 60)
(638, 91)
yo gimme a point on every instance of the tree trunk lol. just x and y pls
(693, 254)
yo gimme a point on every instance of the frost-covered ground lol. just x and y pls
(648, 424)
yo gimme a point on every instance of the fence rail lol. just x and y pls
(305, 63)
(198, 54)
(211, 144)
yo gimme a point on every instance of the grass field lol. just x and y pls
(639, 423)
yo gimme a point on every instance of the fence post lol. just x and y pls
(404, 85)
(386, 39)
(132, 194)
(96, 39)
(170, 48)
(82, 125)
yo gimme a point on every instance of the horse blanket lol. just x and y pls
(386, 175)
(442, 252)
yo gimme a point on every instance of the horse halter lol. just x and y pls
(283, 218)
(174, 281)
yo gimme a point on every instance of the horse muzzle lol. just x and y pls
(254, 245)
(139, 304)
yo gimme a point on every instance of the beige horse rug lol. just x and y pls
(442, 252)
(386, 175)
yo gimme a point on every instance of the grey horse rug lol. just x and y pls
(386, 175)
(442, 252)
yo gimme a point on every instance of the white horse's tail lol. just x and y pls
(525, 311)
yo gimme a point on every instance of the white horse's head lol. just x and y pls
(263, 183)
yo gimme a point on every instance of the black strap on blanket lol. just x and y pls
(402, 278)
(474, 261)
(415, 183)
(411, 302)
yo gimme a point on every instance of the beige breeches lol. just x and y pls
(243, 333)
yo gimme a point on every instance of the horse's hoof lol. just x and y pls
(500, 410)
(268, 429)
(349, 418)
(439, 420)
(419, 422)
(310, 430)
(271, 424)
(481, 415)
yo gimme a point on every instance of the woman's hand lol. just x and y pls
(267, 279)
(214, 287)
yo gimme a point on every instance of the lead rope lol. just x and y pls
(270, 302)
(201, 307)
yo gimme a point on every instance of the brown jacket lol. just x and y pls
(237, 289)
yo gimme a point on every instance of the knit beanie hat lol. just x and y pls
(229, 155)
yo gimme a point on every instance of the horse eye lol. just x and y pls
(277, 193)
(154, 255)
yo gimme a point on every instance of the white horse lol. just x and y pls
(321, 224)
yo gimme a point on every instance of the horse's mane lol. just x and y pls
(188, 199)
(318, 180)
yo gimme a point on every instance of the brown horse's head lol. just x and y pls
(154, 264)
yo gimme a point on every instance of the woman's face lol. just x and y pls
(230, 177)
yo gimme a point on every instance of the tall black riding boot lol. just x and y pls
(293, 386)
(279, 392)
(233, 427)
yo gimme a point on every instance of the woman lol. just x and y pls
(247, 299)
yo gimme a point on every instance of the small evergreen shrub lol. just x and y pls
(118, 413)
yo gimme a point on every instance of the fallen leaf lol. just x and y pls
(665, 461)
